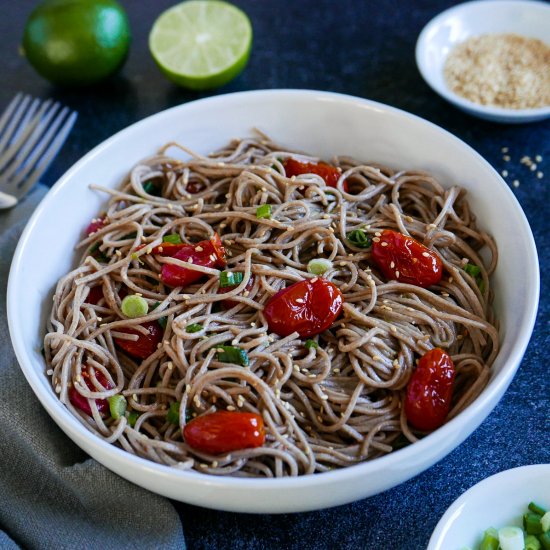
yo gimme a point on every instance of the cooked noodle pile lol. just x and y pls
(323, 408)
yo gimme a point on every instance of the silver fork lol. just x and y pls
(31, 134)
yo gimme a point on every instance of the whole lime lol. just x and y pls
(77, 42)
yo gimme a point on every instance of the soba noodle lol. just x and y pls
(323, 408)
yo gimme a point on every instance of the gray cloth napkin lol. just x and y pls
(52, 494)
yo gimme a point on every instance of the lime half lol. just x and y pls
(201, 44)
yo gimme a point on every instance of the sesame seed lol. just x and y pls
(118, 252)
(230, 408)
(49, 372)
(135, 397)
(426, 254)
(324, 396)
(215, 462)
(384, 243)
(393, 329)
(199, 248)
(222, 225)
(376, 240)
(311, 375)
(187, 388)
(397, 274)
(392, 265)
(202, 465)
(185, 296)
(376, 358)
(378, 234)
(190, 260)
(169, 365)
(296, 367)
(252, 324)
(58, 389)
(342, 264)
(336, 371)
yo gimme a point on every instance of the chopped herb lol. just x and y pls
(359, 238)
(318, 266)
(232, 354)
(162, 321)
(472, 269)
(193, 327)
(309, 344)
(134, 306)
(230, 278)
(174, 238)
(98, 254)
(173, 414)
(263, 211)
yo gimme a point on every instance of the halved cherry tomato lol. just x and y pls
(95, 225)
(95, 294)
(224, 431)
(429, 390)
(229, 303)
(81, 402)
(146, 344)
(168, 249)
(329, 173)
(307, 307)
(402, 258)
(209, 253)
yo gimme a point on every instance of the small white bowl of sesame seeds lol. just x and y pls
(490, 58)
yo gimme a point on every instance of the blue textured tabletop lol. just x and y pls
(364, 49)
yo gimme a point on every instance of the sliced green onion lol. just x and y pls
(151, 188)
(532, 543)
(359, 238)
(535, 508)
(531, 524)
(193, 327)
(173, 238)
(481, 285)
(232, 354)
(472, 269)
(490, 539)
(162, 321)
(132, 418)
(134, 306)
(173, 414)
(230, 278)
(318, 266)
(98, 254)
(545, 522)
(263, 211)
(510, 538)
(545, 540)
(311, 344)
(117, 405)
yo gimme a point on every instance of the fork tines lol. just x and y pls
(31, 133)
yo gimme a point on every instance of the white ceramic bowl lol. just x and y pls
(497, 501)
(457, 24)
(324, 124)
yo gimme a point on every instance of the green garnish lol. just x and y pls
(359, 238)
(173, 414)
(132, 418)
(98, 254)
(162, 321)
(532, 524)
(232, 354)
(490, 540)
(263, 211)
(532, 543)
(536, 509)
(318, 266)
(309, 344)
(134, 306)
(472, 269)
(193, 327)
(173, 238)
(151, 188)
(230, 278)
(117, 405)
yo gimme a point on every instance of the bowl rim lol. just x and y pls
(444, 91)
(197, 480)
(500, 479)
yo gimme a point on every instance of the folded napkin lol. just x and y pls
(52, 494)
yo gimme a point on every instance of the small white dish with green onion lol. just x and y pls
(510, 507)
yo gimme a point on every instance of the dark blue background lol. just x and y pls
(363, 48)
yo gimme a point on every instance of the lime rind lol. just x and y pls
(201, 44)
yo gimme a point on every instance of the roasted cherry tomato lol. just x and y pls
(95, 225)
(229, 303)
(329, 173)
(402, 258)
(209, 253)
(224, 432)
(429, 391)
(95, 294)
(307, 307)
(146, 344)
(81, 402)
